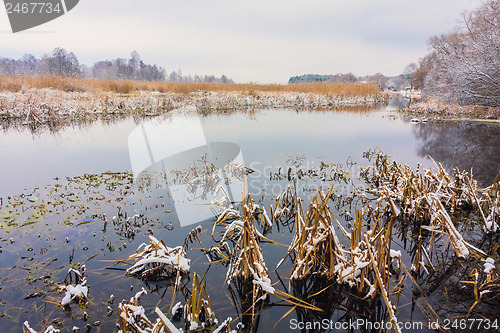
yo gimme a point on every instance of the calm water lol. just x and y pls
(270, 141)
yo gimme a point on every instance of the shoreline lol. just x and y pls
(437, 110)
(45, 106)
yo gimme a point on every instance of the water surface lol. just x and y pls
(271, 141)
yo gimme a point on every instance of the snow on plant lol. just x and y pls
(247, 261)
(315, 248)
(285, 207)
(486, 283)
(233, 220)
(28, 329)
(132, 317)
(76, 291)
(429, 195)
(157, 260)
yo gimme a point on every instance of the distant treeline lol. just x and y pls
(63, 63)
(379, 79)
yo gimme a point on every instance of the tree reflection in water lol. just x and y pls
(462, 144)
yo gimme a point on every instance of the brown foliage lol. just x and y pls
(17, 83)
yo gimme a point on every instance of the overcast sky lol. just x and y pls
(248, 41)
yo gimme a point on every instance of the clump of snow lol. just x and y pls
(489, 224)
(395, 254)
(139, 294)
(73, 292)
(371, 292)
(28, 328)
(489, 265)
(265, 284)
(177, 309)
(77, 290)
(49, 329)
(483, 292)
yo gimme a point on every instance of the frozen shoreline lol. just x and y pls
(48, 106)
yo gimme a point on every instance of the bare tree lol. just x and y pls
(29, 63)
(60, 63)
(379, 79)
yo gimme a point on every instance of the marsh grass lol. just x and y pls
(434, 210)
(247, 275)
(434, 108)
(285, 208)
(198, 311)
(315, 248)
(198, 314)
(17, 83)
(428, 196)
(247, 259)
(56, 101)
(317, 253)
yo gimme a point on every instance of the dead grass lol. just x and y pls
(56, 101)
(17, 83)
(434, 108)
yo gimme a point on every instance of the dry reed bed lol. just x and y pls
(436, 205)
(19, 83)
(246, 261)
(209, 101)
(132, 316)
(435, 108)
(429, 195)
(247, 271)
(41, 100)
(47, 105)
(363, 264)
(52, 106)
(426, 199)
(366, 263)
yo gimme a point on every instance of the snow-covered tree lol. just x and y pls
(466, 63)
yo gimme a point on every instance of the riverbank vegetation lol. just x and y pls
(55, 101)
(436, 108)
(72, 84)
(463, 67)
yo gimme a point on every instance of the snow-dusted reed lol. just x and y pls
(40, 106)
(76, 286)
(433, 108)
(157, 260)
(198, 315)
(48, 106)
(430, 195)
(212, 101)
